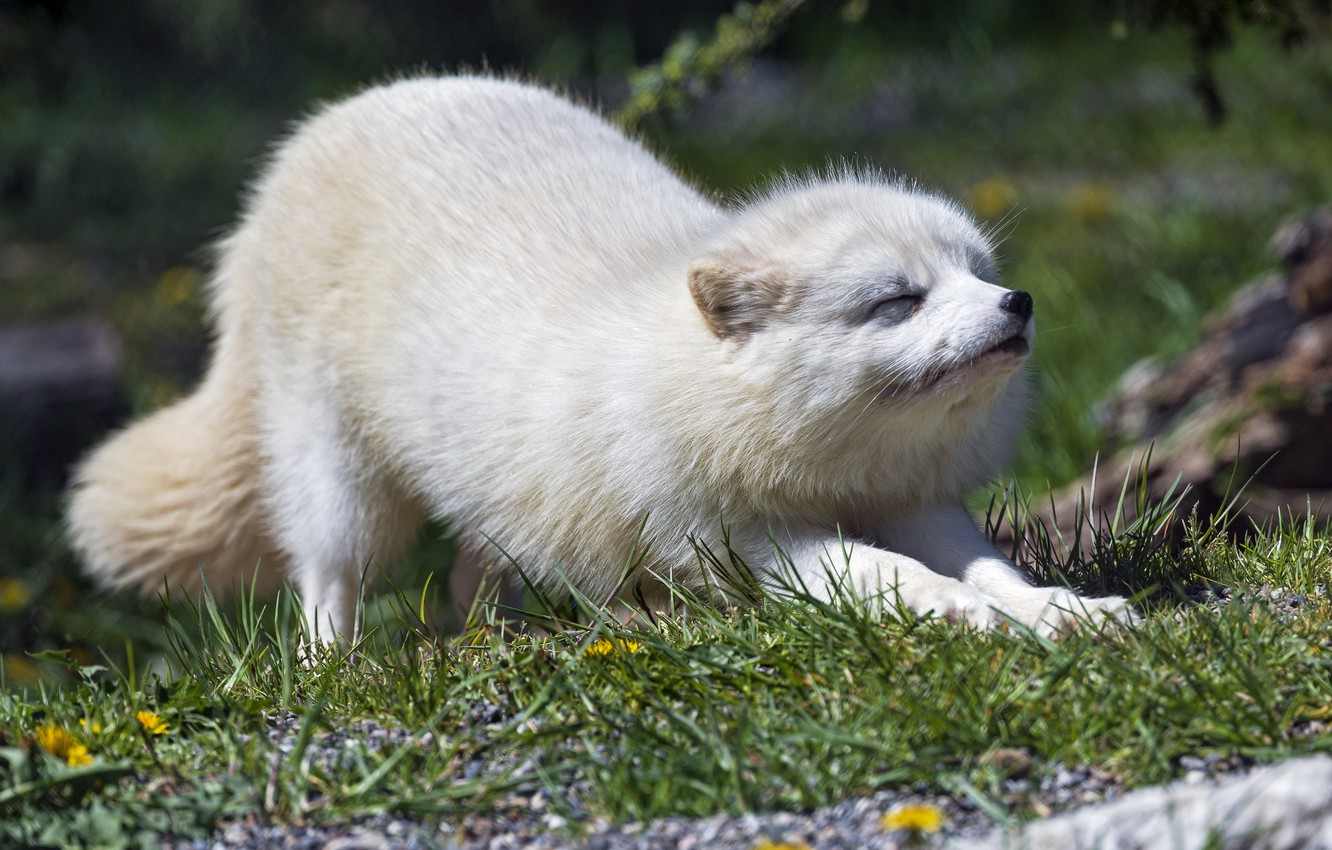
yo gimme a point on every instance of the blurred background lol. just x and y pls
(1134, 158)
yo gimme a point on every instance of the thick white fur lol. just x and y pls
(470, 299)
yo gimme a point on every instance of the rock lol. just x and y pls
(1250, 406)
(1009, 763)
(1286, 807)
(55, 361)
(1305, 247)
(361, 840)
(60, 385)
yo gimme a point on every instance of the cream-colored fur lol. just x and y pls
(469, 299)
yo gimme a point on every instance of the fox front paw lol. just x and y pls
(1055, 611)
(957, 603)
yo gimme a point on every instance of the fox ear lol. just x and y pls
(735, 299)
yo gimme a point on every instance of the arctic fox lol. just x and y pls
(470, 299)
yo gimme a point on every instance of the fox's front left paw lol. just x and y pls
(1054, 611)
(957, 603)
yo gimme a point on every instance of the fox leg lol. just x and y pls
(946, 539)
(824, 566)
(332, 511)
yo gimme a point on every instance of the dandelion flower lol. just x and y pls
(77, 755)
(94, 727)
(176, 285)
(603, 647)
(916, 817)
(19, 670)
(14, 595)
(59, 743)
(993, 197)
(152, 724)
(1093, 201)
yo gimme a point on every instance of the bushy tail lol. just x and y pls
(174, 499)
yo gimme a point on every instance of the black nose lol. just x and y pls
(1018, 302)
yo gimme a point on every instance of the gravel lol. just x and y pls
(1283, 807)
(529, 822)
(1084, 793)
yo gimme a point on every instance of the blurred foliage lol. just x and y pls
(144, 117)
(1212, 24)
(690, 69)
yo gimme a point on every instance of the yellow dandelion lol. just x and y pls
(94, 727)
(177, 284)
(1093, 201)
(77, 756)
(916, 817)
(14, 595)
(19, 670)
(766, 844)
(603, 647)
(59, 743)
(993, 197)
(599, 648)
(152, 724)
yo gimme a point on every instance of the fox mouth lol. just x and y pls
(1012, 349)
(998, 358)
(1016, 345)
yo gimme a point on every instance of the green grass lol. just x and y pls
(788, 704)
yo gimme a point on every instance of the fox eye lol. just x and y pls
(896, 309)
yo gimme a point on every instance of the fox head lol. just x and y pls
(870, 313)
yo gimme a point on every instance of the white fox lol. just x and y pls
(469, 299)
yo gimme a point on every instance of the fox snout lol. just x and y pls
(1018, 303)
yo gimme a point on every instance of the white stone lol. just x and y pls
(1284, 807)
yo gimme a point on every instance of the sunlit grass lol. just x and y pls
(795, 703)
